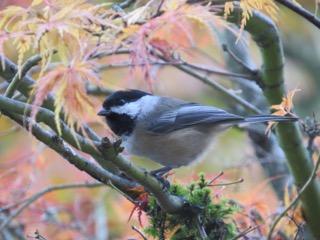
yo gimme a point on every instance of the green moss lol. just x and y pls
(214, 217)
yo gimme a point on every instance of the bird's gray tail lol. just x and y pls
(268, 118)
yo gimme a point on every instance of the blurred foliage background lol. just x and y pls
(26, 166)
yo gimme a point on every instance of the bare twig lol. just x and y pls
(27, 202)
(295, 200)
(219, 87)
(51, 189)
(252, 76)
(139, 232)
(254, 72)
(226, 184)
(215, 178)
(245, 232)
(179, 62)
(301, 11)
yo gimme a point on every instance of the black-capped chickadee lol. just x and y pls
(167, 130)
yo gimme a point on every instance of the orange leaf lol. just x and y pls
(282, 109)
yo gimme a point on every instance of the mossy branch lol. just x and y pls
(265, 33)
(107, 156)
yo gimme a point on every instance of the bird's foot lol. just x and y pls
(159, 175)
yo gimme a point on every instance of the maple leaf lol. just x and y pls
(171, 31)
(68, 83)
(282, 109)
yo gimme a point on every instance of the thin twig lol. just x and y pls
(51, 189)
(178, 62)
(220, 88)
(301, 11)
(27, 202)
(215, 178)
(245, 232)
(239, 61)
(294, 201)
(139, 232)
(220, 72)
(158, 12)
(226, 184)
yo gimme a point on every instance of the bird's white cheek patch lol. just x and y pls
(131, 109)
(143, 105)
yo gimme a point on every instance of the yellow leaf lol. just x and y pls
(58, 105)
(228, 9)
(36, 2)
(173, 4)
(286, 106)
(127, 32)
(282, 109)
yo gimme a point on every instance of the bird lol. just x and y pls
(169, 131)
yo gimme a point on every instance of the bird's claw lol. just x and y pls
(159, 175)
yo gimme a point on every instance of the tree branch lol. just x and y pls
(46, 116)
(25, 85)
(57, 144)
(301, 11)
(20, 74)
(168, 202)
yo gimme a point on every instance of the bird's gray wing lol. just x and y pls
(190, 114)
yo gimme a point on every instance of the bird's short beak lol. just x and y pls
(103, 112)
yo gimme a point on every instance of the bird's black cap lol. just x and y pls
(120, 98)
